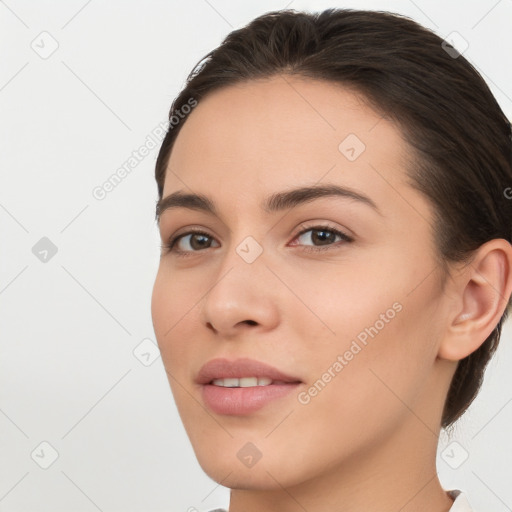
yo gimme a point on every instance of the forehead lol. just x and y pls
(252, 138)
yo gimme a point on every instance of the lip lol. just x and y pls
(242, 401)
(224, 369)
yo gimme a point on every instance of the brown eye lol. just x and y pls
(322, 236)
(190, 242)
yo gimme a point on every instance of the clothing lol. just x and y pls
(461, 504)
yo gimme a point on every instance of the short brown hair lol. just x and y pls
(445, 110)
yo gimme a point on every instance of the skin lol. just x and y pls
(368, 440)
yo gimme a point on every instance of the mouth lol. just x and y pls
(246, 382)
(242, 386)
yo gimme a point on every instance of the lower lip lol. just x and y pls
(239, 401)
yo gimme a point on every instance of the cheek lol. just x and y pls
(373, 295)
(172, 300)
(375, 386)
(375, 330)
(172, 303)
(161, 306)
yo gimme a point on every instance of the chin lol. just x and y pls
(222, 463)
(234, 476)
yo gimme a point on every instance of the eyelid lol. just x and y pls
(175, 238)
(323, 226)
(318, 226)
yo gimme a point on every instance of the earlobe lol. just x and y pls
(483, 291)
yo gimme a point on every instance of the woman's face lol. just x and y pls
(354, 319)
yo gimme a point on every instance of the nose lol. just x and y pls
(242, 298)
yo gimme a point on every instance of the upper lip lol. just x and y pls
(239, 368)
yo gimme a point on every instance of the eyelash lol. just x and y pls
(169, 247)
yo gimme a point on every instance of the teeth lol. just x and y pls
(247, 382)
(244, 382)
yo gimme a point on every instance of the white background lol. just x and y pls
(68, 374)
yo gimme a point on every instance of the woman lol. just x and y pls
(336, 259)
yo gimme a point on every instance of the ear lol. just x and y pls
(482, 291)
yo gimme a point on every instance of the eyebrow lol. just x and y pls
(274, 203)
